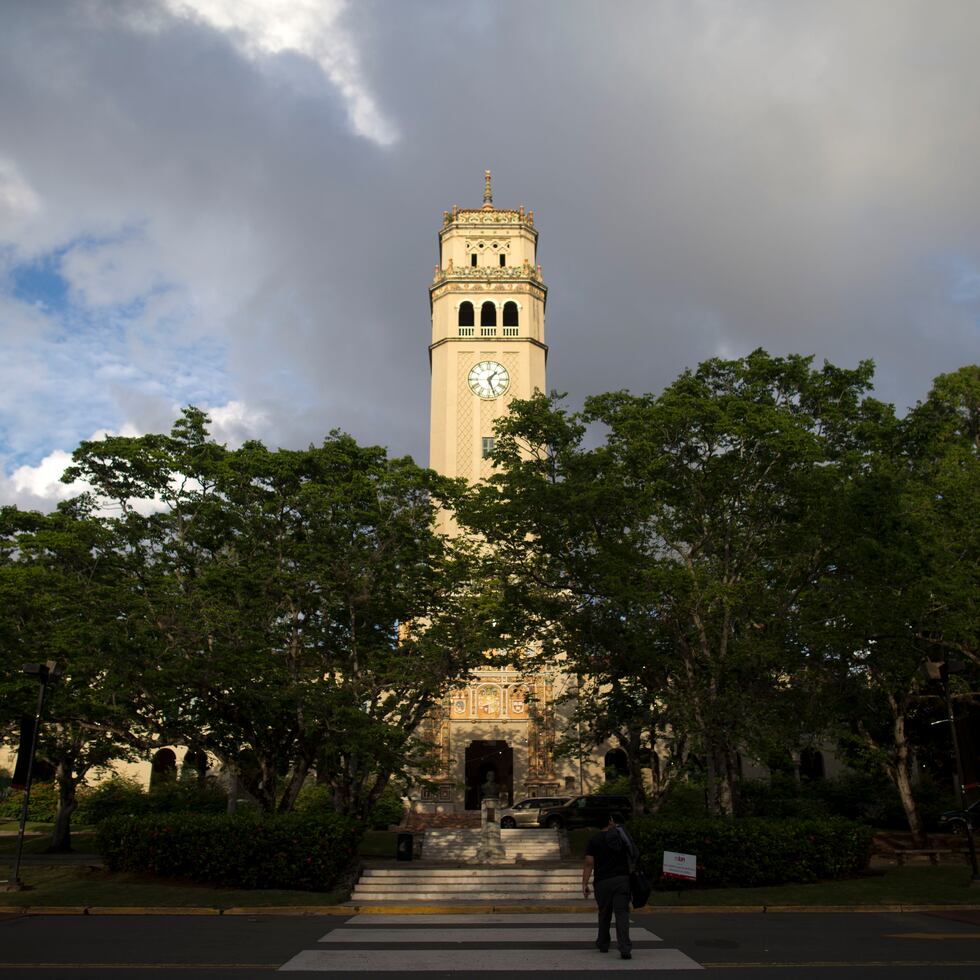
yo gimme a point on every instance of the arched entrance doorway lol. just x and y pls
(481, 759)
(616, 764)
(163, 769)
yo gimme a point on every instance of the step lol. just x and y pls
(409, 884)
(522, 891)
(512, 888)
(484, 874)
(462, 845)
(413, 881)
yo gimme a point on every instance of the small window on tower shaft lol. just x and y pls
(503, 259)
(487, 447)
(473, 259)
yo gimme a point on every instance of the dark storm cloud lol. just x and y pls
(706, 178)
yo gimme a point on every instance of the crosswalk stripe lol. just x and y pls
(493, 918)
(477, 937)
(491, 961)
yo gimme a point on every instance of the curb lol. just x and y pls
(348, 910)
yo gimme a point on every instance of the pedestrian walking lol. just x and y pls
(608, 856)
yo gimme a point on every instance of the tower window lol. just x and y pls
(466, 314)
(488, 314)
(473, 258)
(510, 314)
(503, 259)
(487, 446)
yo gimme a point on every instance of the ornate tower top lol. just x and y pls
(487, 215)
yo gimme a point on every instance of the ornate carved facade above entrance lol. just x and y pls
(490, 698)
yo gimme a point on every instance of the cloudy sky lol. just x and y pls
(234, 203)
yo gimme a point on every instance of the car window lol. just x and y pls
(581, 802)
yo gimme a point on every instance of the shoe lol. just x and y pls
(602, 949)
(626, 956)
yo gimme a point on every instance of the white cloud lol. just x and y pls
(235, 423)
(114, 272)
(39, 487)
(309, 27)
(18, 201)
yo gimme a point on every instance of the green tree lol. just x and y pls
(302, 608)
(906, 578)
(62, 598)
(696, 529)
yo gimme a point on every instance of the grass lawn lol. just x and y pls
(77, 886)
(925, 885)
(11, 826)
(82, 841)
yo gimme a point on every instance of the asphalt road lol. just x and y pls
(803, 946)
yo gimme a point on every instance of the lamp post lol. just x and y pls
(45, 673)
(940, 672)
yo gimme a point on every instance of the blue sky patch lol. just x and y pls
(40, 283)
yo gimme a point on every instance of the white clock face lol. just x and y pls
(489, 379)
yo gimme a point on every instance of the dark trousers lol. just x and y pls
(613, 895)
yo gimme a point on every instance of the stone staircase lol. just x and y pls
(460, 845)
(468, 885)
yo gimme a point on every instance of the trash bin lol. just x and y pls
(403, 850)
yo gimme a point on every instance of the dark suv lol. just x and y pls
(585, 811)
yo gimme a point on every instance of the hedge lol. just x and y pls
(247, 851)
(751, 852)
(42, 806)
(121, 796)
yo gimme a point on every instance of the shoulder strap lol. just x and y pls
(632, 851)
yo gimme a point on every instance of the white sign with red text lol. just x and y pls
(678, 865)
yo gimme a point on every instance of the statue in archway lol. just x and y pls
(490, 788)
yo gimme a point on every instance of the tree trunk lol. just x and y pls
(367, 805)
(232, 790)
(721, 796)
(901, 774)
(634, 753)
(267, 785)
(61, 835)
(293, 785)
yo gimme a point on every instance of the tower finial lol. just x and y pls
(487, 193)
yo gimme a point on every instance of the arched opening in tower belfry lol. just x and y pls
(488, 314)
(466, 314)
(510, 314)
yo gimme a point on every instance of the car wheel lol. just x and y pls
(508, 823)
(555, 823)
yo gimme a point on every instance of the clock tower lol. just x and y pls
(487, 300)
